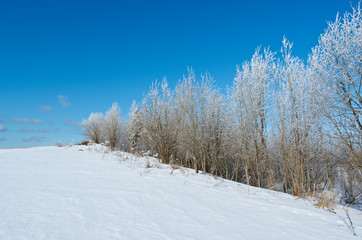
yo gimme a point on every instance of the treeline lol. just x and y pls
(283, 124)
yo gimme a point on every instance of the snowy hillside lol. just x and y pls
(86, 193)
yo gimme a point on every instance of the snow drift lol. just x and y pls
(83, 192)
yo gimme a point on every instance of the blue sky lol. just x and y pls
(62, 60)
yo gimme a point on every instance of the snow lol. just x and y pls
(88, 193)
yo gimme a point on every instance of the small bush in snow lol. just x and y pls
(111, 126)
(92, 127)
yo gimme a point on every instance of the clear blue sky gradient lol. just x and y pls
(100, 52)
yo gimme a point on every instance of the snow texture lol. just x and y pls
(84, 192)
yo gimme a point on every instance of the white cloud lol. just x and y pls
(45, 108)
(44, 130)
(2, 128)
(35, 139)
(25, 120)
(26, 130)
(72, 123)
(63, 100)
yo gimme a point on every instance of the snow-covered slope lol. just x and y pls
(84, 193)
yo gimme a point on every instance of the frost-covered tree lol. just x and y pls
(297, 124)
(157, 120)
(112, 126)
(135, 128)
(199, 107)
(216, 125)
(250, 98)
(337, 64)
(92, 127)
